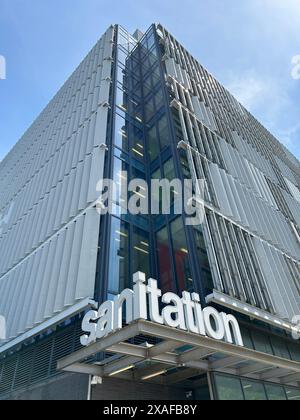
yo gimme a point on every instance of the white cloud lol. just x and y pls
(296, 67)
(270, 100)
(248, 89)
(2, 67)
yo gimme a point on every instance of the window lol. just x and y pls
(118, 257)
(247, 338)
(181, 255)
(120, 168)
(262, 342)
(295, 351)
(149, 110)
(293, 394)
(141, 251)
(164, 262)
(153, 145)
(254, 391)
(121, 133)
(280, 348)
(170, 175)
(137, 142)
(159, 99)
(163, 130)
(203, 260)
(228, 388)
(275, 392)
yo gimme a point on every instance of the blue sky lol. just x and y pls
(248, 45)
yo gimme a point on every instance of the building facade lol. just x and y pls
(143, 105)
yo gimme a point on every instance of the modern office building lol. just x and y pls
(144, 105)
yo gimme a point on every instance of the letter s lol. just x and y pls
(296, 68)
(90, 327)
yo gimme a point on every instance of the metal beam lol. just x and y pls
(226, 362)
(102, 345)
(251, 311)
(197, 354)
(274, 373)
(162, 348)
(128, 350)
(203, 347)
(120, 364)
(85, 369)
(201, 365)
(151, 370)
(182, 376)
(255, 368)
(164, 332)
(290, 379)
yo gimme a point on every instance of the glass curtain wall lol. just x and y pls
(231, 388)
(129, 242)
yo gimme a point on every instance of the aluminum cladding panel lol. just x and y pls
(49, 227)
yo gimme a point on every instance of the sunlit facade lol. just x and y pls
(147, 107)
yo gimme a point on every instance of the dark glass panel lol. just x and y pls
(181, 255)
(165, 266)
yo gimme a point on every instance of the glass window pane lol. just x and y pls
(228, 388)
(121, 133)
(262, 342)
(293, 394)
(254, 391)
(203, 260)
(295, 351)
(141, 251)
(247, 338)
(118, 257)
(153, 143)
(280, 348)
(121, 168)
(181, 255)
(275, 392)
(165, 267)
(163, 132)
(137, 142)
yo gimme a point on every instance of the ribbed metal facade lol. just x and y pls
(49, 241)
(150, 108)
(252, 226)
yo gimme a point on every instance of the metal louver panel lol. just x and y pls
(253, 212)
(49, 227)
(54, 280)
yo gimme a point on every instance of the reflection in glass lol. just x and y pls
(153, 145)
(203, 260)
(141, 251)
(181, 255)
(118, 257)
(254, 391)
(121, 133)
(275, 392)
(293, 394)
(228, 389)
(262, 342)
(163, 130)
(165, 266)
(280, 348)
